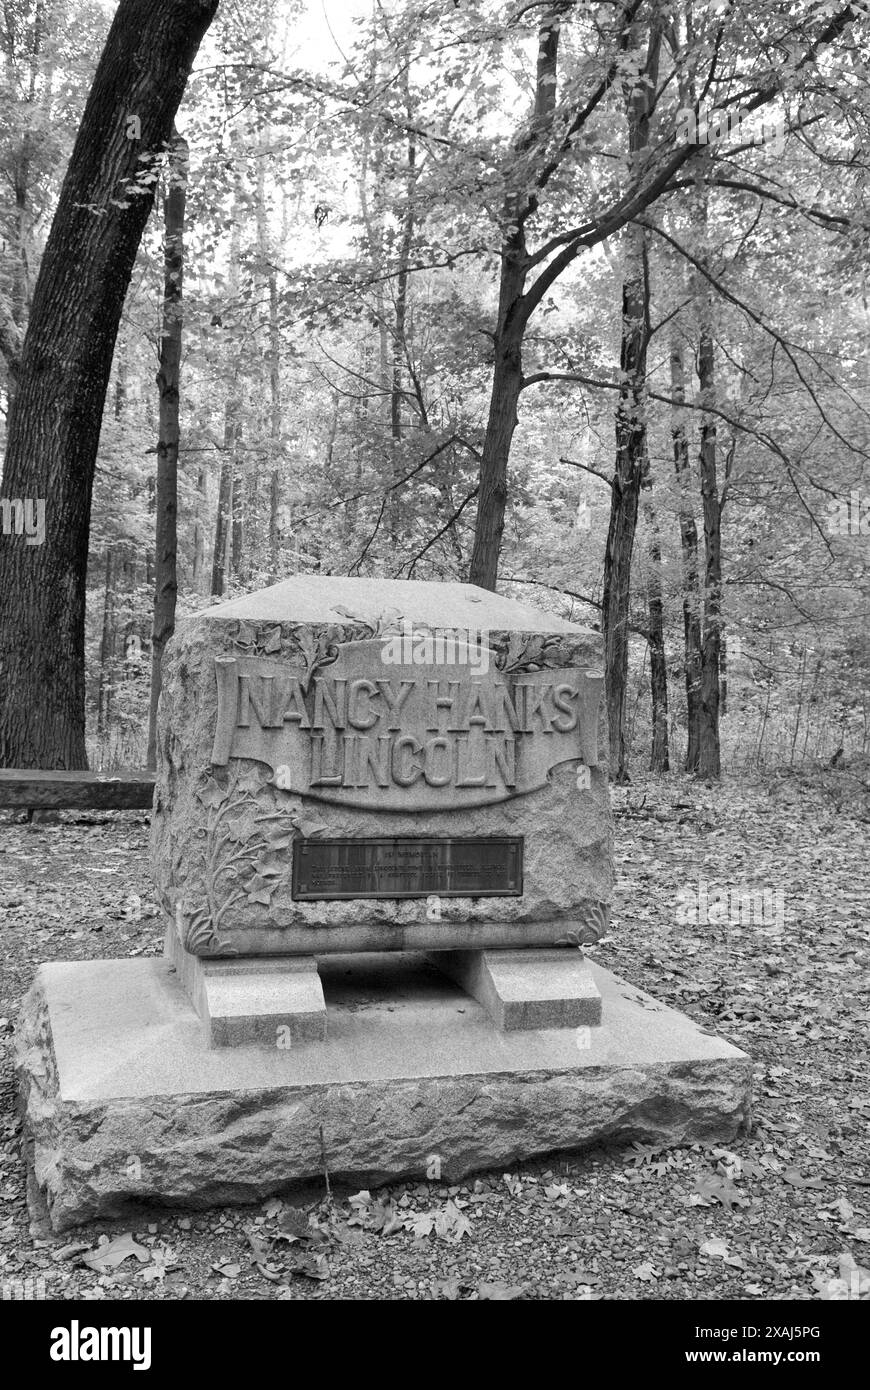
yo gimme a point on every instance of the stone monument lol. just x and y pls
(381, 828)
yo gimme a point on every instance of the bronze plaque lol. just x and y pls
(470, 866)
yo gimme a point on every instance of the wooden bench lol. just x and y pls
(127, 789)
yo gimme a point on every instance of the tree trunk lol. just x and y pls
(55, 418)
(219, 555)
(107, 646)
(689, 558)
(124, 630)
(168, 383)
(401, 306)
(274, 423)
(268, 276)
(659, 755)
(708, 759)
(227, 536)
(199, 534)
(511, 322)
(630, 452)
(507, 381)
(237, 509)
(120, 384)
(631, 440)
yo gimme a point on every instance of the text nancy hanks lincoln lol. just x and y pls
(363, 732)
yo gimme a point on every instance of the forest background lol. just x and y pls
(567, 298)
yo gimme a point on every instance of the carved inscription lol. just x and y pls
(368, 733)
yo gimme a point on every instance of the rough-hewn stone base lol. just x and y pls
(125, 1104)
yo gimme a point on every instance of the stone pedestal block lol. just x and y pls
(277, 1001)
(522, 990)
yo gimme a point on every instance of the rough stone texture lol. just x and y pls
(126, 1106)
(526, 989)
(567, 832)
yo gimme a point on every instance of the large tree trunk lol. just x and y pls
(689, 555)
(630, 453)
(55, 418)
(631, 440)
(168, 383)
(513, 317)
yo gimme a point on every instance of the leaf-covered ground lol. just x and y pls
(784, 1214)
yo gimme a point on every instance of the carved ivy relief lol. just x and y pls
(241, 854)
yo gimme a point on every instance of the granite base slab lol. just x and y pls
(126, 1106)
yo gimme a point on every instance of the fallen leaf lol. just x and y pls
(795, 1178)
(421, 1225)
(447, 1288)
(294, 1222)
(557, 1190)
(718, 1189)
(844, 1209)
(114, 1252)
(310, 1266)
(500, 1293)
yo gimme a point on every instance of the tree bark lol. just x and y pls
(400, 347)
(689, 560)
(224, 501)
(708, 711)
(55, 418)
(708, 753)
(631, 431)
(275, 416)
(659, 753)
(507, 382)
(275, 408)
(513, 316)
(625, 493)
(227, 535)
(168, 384)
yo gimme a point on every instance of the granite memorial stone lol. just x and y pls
(381, 825)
